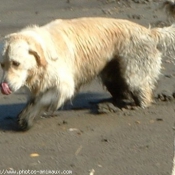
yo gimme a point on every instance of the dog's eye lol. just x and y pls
(2, 65)
(15, 63)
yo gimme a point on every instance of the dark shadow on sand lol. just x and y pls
(8, 115)
(85, 100)
(9, 112)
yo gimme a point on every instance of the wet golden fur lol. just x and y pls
(60, 57)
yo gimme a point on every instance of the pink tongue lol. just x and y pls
(5, 89)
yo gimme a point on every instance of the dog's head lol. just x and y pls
(21, 56)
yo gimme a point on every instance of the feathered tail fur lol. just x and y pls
(165, 38)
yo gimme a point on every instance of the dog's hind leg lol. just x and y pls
(112, 78)
(142, 76)
(50, 100)
(143, 96)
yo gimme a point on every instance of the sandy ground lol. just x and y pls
(77, 141)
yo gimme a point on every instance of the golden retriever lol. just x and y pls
(56, 59)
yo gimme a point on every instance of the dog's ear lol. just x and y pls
(39, 56)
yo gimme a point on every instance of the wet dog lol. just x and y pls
(56, 59)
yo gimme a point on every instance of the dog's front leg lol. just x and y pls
(46, 101)
(50, 100)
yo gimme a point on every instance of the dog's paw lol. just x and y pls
(24, 124)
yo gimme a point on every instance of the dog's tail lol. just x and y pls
(165, 38)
